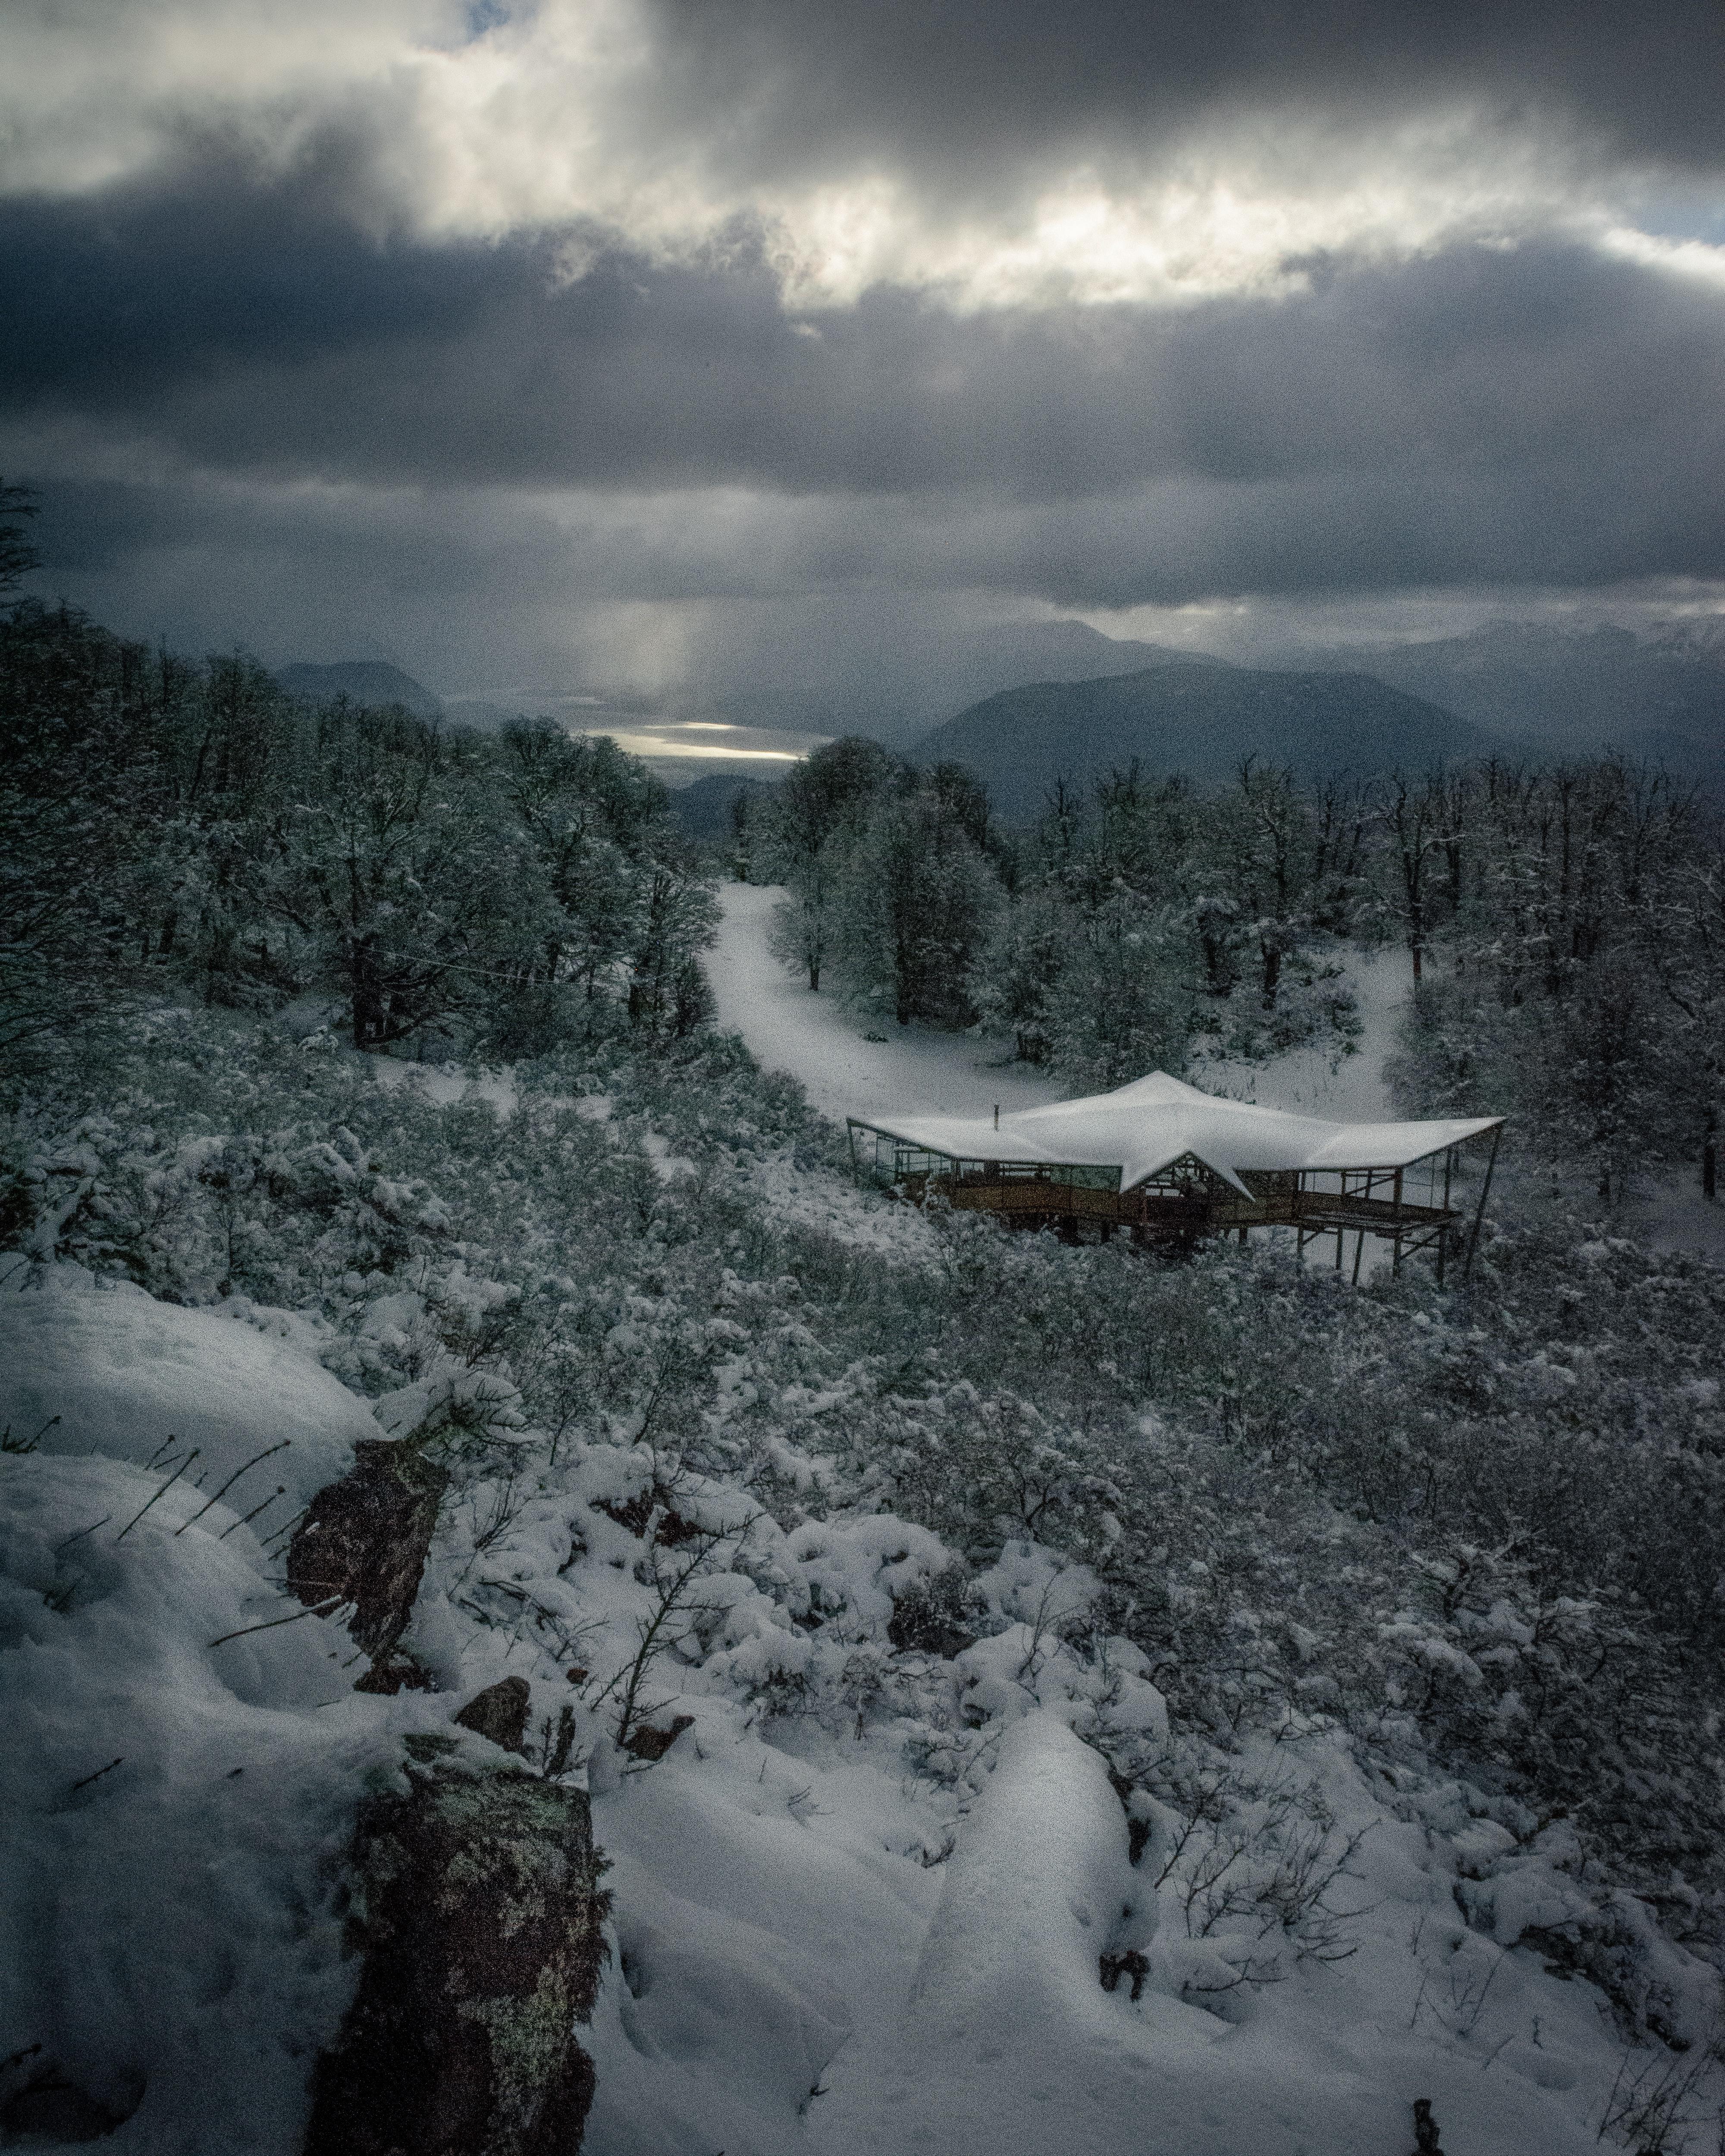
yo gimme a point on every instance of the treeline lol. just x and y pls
(1564, 928)
(1574, 917)
(1107, 941)
(188, 827)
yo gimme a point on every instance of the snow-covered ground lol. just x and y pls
(1671, 1212)
(872, 1928)
(799, 1977)
(821, 1041)
(1318, 1080)
(821, 1947)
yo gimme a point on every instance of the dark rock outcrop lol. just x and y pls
(478, 1910)
(499, 1713)
(646, 1741)
(363, 1541)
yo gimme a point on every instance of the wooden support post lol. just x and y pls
(1396, 1261)
(1359, 1251)
(1480, 1209)
(1340, 1232)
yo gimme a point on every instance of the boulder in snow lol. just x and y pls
(479, 1914)
(363, 1542)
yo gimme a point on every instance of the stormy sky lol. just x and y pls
(677, 350)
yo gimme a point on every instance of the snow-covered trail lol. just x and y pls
(816, 1039)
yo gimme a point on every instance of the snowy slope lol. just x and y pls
(101, 1366)
(176, 1799)
(797, 1975)
(863, 1901)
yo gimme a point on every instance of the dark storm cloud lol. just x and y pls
(1538, 413)
(948, 82)
(182, 276)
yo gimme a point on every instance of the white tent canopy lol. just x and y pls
(1147, 1126)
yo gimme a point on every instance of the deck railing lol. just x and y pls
(1191, 1200)
(1021, 1198)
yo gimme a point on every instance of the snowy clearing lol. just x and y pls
(918, 1071)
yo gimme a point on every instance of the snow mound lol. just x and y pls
(176, 1810)
(124, 1373)
(755, 1940)
(1033, 1892)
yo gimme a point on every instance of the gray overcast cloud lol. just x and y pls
(667, 348)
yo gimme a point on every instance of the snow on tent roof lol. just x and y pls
(1145, 1126)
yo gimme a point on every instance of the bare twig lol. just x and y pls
(280, 1490)
(160, 1493)
(317, 1609)
(82, 1533)
(99, 1773)
(281, 1445)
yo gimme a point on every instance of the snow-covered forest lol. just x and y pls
(534, 1615)
(1565, 926)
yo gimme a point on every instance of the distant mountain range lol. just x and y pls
(1662, 697)
(1201, 716)
(1041, 699)
(981, 664)
(912, 679)
(365, 680)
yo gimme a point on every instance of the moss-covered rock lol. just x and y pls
(478, 1909)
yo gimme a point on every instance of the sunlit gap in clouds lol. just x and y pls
(683, 750)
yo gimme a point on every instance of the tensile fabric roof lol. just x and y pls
(1146, 1126)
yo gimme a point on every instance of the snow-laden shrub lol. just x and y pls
(1263, 1475)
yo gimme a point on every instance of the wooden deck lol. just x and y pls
(1160, 1216)
(1189, 1199)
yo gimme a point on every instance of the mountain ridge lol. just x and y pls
(1201, 716)
(370, 681)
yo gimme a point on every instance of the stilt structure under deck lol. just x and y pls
(1168, 1163)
